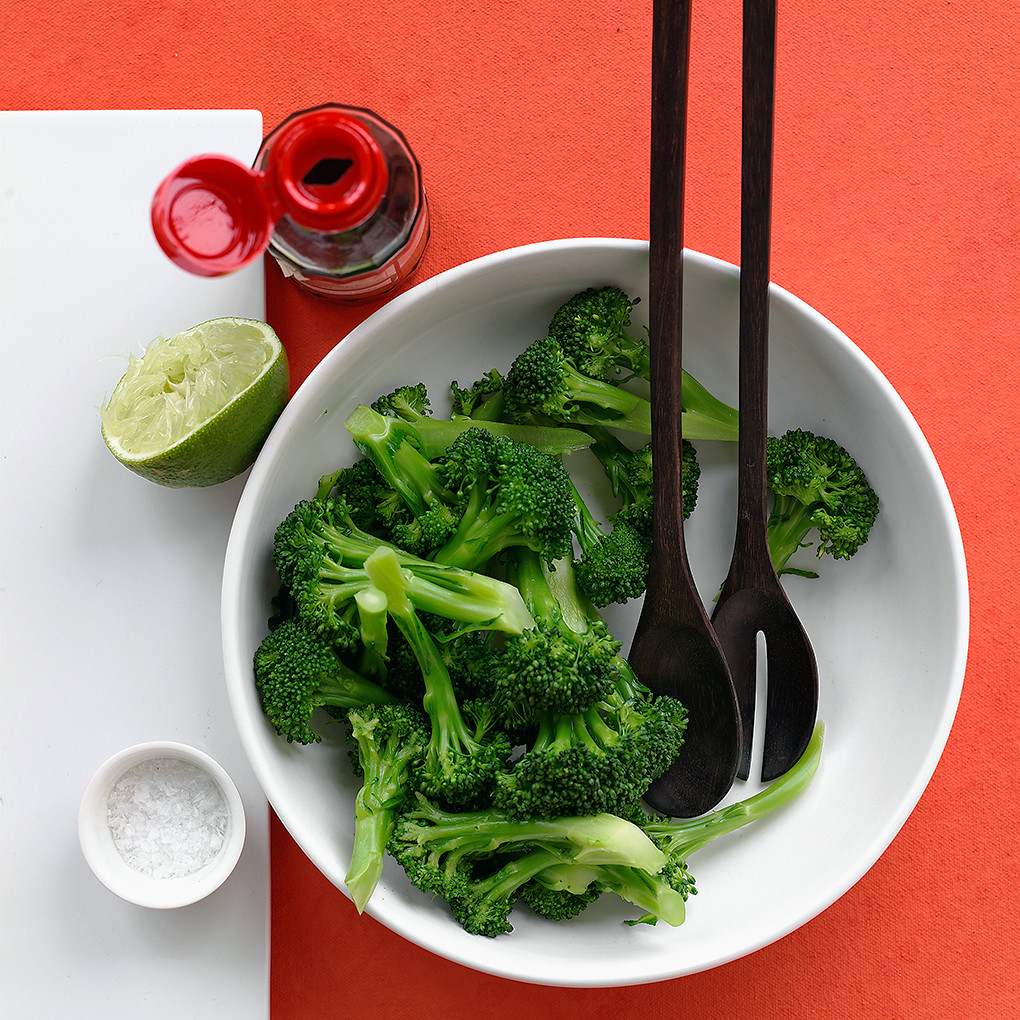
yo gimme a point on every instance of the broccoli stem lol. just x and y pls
(789, 524)
(392, 446)
(657, 898)
(504, 883)
(372, 831)
(634, 411)
(592, 840)
(437, 435)
(348, 689)
(464, 596)
(704, 415)
(372, 618)
(440, 701)
(456, 760)
(480, 535)
(375, 812)
(681, 838)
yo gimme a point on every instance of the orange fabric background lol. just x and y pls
(895, 216)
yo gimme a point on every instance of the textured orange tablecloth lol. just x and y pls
(895, 215)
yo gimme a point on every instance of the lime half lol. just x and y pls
(196, 407)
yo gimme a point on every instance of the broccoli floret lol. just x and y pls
(465, 752)
(418, 513)
(591, 328)
(560, 892)
(321, 555)
(816, 485)
(479, 861)
(512, 495)
(630, 473)
(389, 739)
(297, 671)
(433, 436)
(482, 400)
(543, 381)
(410, 402)
(566, 663)
(601, 758)
(613, 565)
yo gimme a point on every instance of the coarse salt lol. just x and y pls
(168, 817)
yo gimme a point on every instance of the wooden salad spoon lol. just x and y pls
(675, 651)
(752, 600)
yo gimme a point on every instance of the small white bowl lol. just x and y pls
(135, 884)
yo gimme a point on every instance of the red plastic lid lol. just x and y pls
(212, 215)
(327, 171)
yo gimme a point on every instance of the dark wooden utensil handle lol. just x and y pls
(755, 245)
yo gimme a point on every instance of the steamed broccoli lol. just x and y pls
(321, 554)
(389, 740)
(566, 663)
(511, 495)
(816, 485)
(591, 328)
(297, 671)
(483, 493)
(441, 595)
(465, 751)
(679, 838)
(479, 861)
(415, 510)
(613, 565)
(602, 757)
(482, 400)
(433, 436)
(544, 382)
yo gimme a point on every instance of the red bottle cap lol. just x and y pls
(213, 215)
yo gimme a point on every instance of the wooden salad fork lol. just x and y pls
(752, 600)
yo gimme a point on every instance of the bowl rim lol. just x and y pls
(320, 376)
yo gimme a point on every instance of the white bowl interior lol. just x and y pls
(101, 853)
(889, 627)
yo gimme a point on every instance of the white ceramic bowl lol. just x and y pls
(148, 888)
(889, 627)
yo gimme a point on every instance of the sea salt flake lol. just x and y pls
(168, 817)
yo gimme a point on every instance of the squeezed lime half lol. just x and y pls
(196, 407)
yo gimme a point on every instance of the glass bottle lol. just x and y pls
(334, 195)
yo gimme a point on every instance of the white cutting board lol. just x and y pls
(109, 585)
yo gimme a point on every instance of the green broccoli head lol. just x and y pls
(561, 892)
(483, 399)
(297, 671)
(592, 326)
(816, 485)
(614, 567)
(512, 495)
(550, 668)
(409, 402)
(543, 383)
